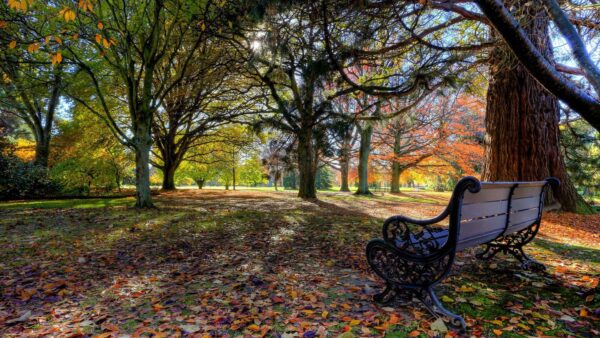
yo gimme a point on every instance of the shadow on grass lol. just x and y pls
(209, 249)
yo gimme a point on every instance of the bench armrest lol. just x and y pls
(397, 229)
(404, 219)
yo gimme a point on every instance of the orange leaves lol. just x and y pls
(3, 24)
(100, 26)
(33, 47)
(67, 14)
(106, 43)
(20, 5)
(86, 5)
(57, 58)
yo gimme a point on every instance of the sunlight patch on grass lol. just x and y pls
(69, 203)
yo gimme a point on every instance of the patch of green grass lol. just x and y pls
(575, 252)
(69, 203)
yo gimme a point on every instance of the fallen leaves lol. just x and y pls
(299, 272)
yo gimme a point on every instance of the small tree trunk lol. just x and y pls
(142, 175)
(363, 160)
(396, 166)
(344, 169)
(306, 165)
(200, 183)
(233, 172)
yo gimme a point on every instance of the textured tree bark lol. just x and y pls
(142, 175)
(522, 118)
(306, 166)
(344, 169)
(169, 168)
(42, 150)
(396, 166)
(363, 160)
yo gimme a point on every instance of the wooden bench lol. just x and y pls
(414, 256)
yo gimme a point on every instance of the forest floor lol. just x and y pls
(216, 263)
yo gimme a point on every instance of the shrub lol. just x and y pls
(20, 179)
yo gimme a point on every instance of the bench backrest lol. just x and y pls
(499, 208)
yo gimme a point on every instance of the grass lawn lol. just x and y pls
(259, 263)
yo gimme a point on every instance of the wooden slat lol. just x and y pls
(474, 241)
(520, 226)
(527, 191)
(522, 216)
(480, 226)
(525, 203)
(485, 209)
(486, 194)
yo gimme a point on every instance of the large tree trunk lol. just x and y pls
(142, 144)
(522, 118)
(169, 168)
(396, 166)
(306, 165)
(42, 150)
(142, 175)
(363, 160)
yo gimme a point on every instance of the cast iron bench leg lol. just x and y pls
(513, 245)
(387, 295)
(434, 306)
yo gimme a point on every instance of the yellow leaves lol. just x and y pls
(254, 328)
(100, 26)
(497, 322)
(67, 14)
(20, 5)
(354, 322)
(202, 26)
(325, 314)
(33, 47)
(447, 299)
(497, 332)
(86, 5)
(57, 58)
(465, 288)
(583, 312)
(12, 44)
(58, 40)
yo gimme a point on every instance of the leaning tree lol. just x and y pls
(522, 117)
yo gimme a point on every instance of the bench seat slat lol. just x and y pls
(478, 230)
